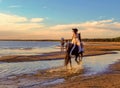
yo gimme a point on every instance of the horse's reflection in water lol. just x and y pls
(78, 56)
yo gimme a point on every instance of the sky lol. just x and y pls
(53, 19)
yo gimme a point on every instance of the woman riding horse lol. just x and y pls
(74, 48)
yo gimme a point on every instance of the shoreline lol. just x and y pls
(91, 49)
(45, 57)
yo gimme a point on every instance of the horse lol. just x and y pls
(74, 52)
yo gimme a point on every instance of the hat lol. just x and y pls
(75, 29)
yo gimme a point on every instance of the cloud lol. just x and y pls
(13, 26)
(64, 27)
(19, 27)
(82, 26)
(37, 20)
(92, 29)
(8, 18)
(14, 6)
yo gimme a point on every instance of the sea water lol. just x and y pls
(26, 47)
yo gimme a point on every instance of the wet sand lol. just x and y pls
(91, 49)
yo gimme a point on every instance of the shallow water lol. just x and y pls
(99, 64)
(94, 65)
(7, 69)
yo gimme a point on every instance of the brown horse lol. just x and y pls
(74, 52)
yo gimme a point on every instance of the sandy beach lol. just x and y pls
(62, 78)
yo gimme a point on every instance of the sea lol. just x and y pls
(8, 48)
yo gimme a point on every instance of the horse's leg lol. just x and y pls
(81, 55)
(76, 56)
(68, 55)
(66, 60)
(70, 62)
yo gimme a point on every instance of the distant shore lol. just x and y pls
(27, 40)
(116, 39)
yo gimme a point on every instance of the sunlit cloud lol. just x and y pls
(92, 29)
(82, 26)
(63, 27)
(37, 20)
(8, 18)
(18, 27)
(13, 26)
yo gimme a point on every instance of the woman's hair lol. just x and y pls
(75, 30)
